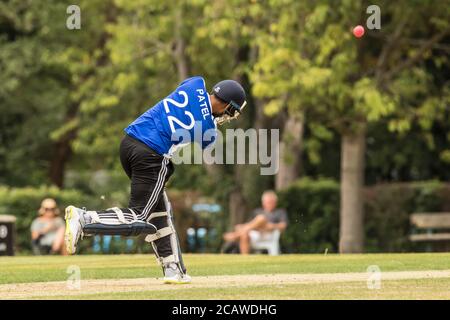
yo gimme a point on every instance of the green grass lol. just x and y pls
(398, 290)
(54, 268)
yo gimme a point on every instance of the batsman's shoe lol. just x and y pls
(74, 228)
(172, 274)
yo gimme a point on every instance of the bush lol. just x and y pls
(387, 211)
(312, 205)
(25, 202)
(313, 209)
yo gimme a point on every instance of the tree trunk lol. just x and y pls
(237, 207)
(261, 120)
(352, 182)
(290, 152)
(181, 59)
(61, 154)
(62, 149)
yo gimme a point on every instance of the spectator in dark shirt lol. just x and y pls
(265, 219)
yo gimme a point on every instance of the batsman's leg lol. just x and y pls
(159, 229)
(113, 221)
(166, 245)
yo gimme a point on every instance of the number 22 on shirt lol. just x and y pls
(173, 119)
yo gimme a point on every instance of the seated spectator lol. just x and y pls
(265, 220)
(47, 230)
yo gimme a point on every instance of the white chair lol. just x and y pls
(269, 241)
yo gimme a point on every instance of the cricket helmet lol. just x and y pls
(232, 93)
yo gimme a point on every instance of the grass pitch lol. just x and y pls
(403, 276)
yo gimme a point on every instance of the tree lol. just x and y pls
(34, 93)
(342, 82)
(278, 77)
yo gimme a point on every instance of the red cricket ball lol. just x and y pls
(358, 31)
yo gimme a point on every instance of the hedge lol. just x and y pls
(25, 202)
(313, 209)
(312, 205)
(388, 208)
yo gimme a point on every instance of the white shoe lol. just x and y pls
(74, 228)
(173, 275)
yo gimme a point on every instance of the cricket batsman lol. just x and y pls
(145, 153)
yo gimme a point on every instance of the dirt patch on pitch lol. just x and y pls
(69, 288)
